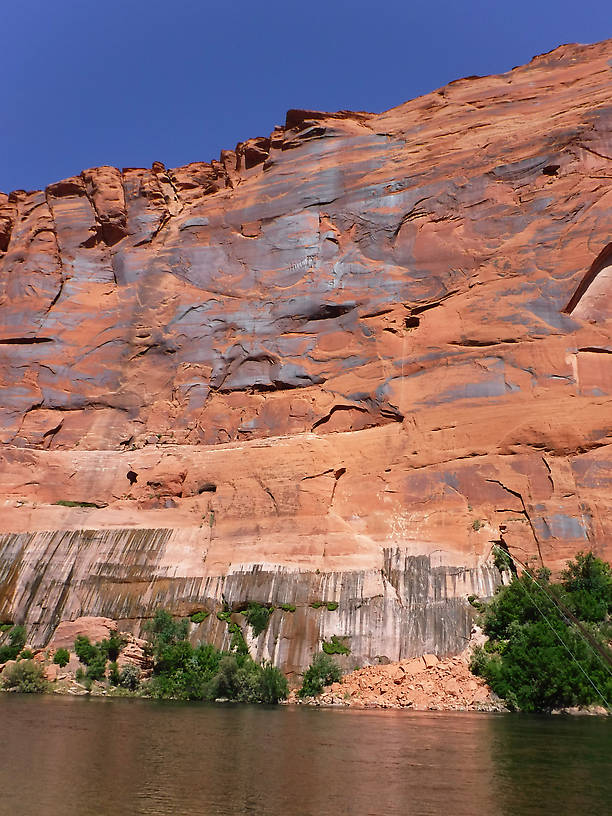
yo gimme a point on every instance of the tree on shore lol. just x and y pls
(549, 642)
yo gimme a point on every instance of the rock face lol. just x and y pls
(420, 683)
(336, 365)
(95, 629)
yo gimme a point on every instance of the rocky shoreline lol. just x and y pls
(420, 684)
(411, 685)
(425, 683)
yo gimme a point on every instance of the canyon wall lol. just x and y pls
(336, 366)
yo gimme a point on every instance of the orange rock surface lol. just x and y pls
(338, 364)
(421, 683)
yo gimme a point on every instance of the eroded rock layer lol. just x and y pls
(335, 366)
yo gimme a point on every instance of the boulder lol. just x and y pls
(95, 628)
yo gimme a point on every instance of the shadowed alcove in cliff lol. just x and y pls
(592, 300)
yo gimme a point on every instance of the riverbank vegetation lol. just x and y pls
(176, 669)
(21, 672)
(181, 671)
(16, 639)
(549, 643)
(184, 672)
(323, 671)
(25, 676)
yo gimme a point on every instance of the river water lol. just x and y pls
(97, 757)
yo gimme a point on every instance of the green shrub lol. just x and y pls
(287, 607)
(502, 560)
(537, 658)
(237, 643)
(129, 677)
(225, 615)
(224, 682)
(26, 654)
(61, 657)
(543, 574)
(111, 646)
(113, 673)
(165, 630)
(16, 641)
(95, 656)
(199, 617)
(479, 661)
(96, 668)
(237, 678)
(332, 606)
(258, 617)
(273, 684)
(323, 671)
(605, 631)
(180, 671)
(588, 584)
(170, 657)
(244, 680)
(25, 676)
(335, 646)
(248, 683)
(316, 604)
(476, 525)
(17, 637)
(205, 673)
(85, 649)
(536, 673)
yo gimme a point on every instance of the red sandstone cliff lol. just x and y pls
(335, 365)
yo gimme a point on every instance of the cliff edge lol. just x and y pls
(332, 368)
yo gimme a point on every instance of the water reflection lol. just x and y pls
(560, 765)
(101, 757)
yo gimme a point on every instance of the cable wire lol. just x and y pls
(560, 609)
(566, 647)
(558, 636)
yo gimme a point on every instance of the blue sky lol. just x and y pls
(127, 82)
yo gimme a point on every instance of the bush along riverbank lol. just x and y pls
(165, 666)
(543, 646)
(548, 644)
(89, 656)
(184, 672)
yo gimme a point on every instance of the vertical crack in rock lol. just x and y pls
(337, 475)
(549, 471)
(271, 495)
(525, 513)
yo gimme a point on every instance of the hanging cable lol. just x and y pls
(564, 614)
(566, 647)
(557, 635)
